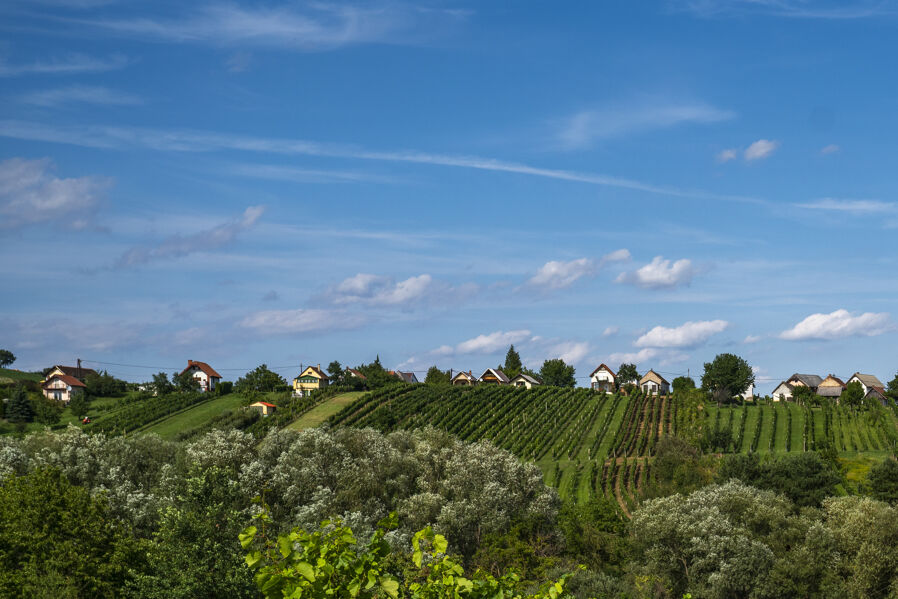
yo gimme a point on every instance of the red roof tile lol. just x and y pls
(68, 380)
(202, 366)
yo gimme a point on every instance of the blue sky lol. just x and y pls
(293, 183)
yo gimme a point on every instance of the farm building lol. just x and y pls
(603, 379)
(406, 377)
(464, 379)
(355, 373)
(654, 384)
(62, 387)
(493, 376)
(310, 379)
(867, 381)
(203, 373)
(525, 381)
(783, 391)
(263, 407)
(831, 387)
(74, 371)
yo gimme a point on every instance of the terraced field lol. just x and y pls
(591, 444)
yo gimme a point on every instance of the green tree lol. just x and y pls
(555, 373)
(805, 478)
(336, 373)
(435, 376)
(58, 541)
(19, 408)
(47, 411)
(627, 374)
(853, 395)
(261, 380)
(513, 363)
(804, 396)
(161, 384)
(892, 388)
(683, 383)
(375, 374)
(883, 480)
(79, 405)
(185, 381)
(727, 372)
(6, 358)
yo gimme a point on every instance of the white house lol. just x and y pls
(524, 381)
(783, 391)
(654, 384)
(867, 381)
(203, 373)
(464, 379)
(603, 379)
(62, 387)
(749, 393)
(493, 376)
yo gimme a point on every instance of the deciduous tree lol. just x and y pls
(6, 358)
(555, 373)
(627, 374)
(261, 380)
(727, 372)
(435, 376)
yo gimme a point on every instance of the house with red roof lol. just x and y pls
(62, 387)
(264, 407)
(205, 374)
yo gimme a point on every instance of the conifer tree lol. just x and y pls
(19, 408)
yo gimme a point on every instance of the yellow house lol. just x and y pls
(311, 379)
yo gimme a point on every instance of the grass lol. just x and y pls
(194, 416)
(324, 410)
(18, 375)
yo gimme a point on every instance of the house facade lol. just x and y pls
(867, 381)
(831, 387)
(524, 381)
(603, 379)
(783, 391)
(263, 407)
(204, 374)
(311, 379)
(493, 376)
(654, 384)
(62, 387)
(464, 379)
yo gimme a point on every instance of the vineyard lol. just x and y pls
(590, 444)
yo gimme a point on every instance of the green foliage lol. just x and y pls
(805, 396)
(376, 376)
(595, 533)
(79, 405)
(513, 365)
(883, 480)
(727, 372)
(335, 371)
(627, 374)
(224, 388)
(677, 468)
(329, 563)
(19, 407)
(104, 385)
(185, 382)
(555, 373)
(47, 411)
(892, 388)
(260, 380)
(683, 383)
(805, 478)
(435, 376)
(6, 358)
(56, 541)
(853, 395)
(161, 384)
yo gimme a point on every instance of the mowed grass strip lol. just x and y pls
(782, 427)
(194, 416)
(797, 426)
(766, 430)
(324, 410)
(751, 415)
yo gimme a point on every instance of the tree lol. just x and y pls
(804, 396)
(336, 373)
(892, 388)
(435, 376)
(727, 372)
(555, 373)
(261, 379)
(805, 478)
(185, 381)
(683, 383)
(79, 405)
(627, 374)
(19, 408)
(853, 395)
(513, 363)
(6, 358)
(883, 480)
(47, 411)
(161, 384)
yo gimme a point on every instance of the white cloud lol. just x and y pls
(300, 321)
(81, 94)
(840, 323)
(857, 207)
(760, 149)
(569, 351)
(31, 194)
(610, 331)
(182, 245)
(830, 149)
(621, 255)
(727, 155)
(751, 339)
(71, 64)
(192, 141)
(558, 275)
(688, 334)
(584, 128)
(660, 274)
(642, 355)
(379, 290)
(484, 344)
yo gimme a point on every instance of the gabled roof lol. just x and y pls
(651, 375)
(832, 379)
(876, 392)
(867, 379)
(526, 377)
(75, 371)
(408, 377)
(316, 370)
(464, 374)
(829, 391)
(496, 373)
(263, 403)
(603, 367)
(356, 373)
(810, 380)
(68, 380)
(201, 366)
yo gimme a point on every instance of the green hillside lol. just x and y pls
(324, 410)
(8, 375)
(594, 444)
(194, 416)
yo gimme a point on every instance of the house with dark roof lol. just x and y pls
(783, 391)
(406, 377)
(310, 379)
(204, 374)
(654, 384)
(867, 381)
(603, 379)
(62, 387)
(79, 372)
(493, 376)
(464, 379)
(524, 381)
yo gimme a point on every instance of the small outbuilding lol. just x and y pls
(464, 379)
(524, 381)
(264, 408)
(654, 384)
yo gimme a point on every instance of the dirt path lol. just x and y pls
(620, 498)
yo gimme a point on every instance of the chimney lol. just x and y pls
(319, 367)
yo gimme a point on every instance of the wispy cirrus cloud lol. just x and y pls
(588, 126)
(31, 194)
(304, 27)
(301, 320)
(830, 149)
(688, 334)
(107, 137)
(837, 324)
(379, 290)
(176, 246)
(660, 274)
(80, 94)
(484, 344)
(851, 206)
(794, 9)
(72, 64)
